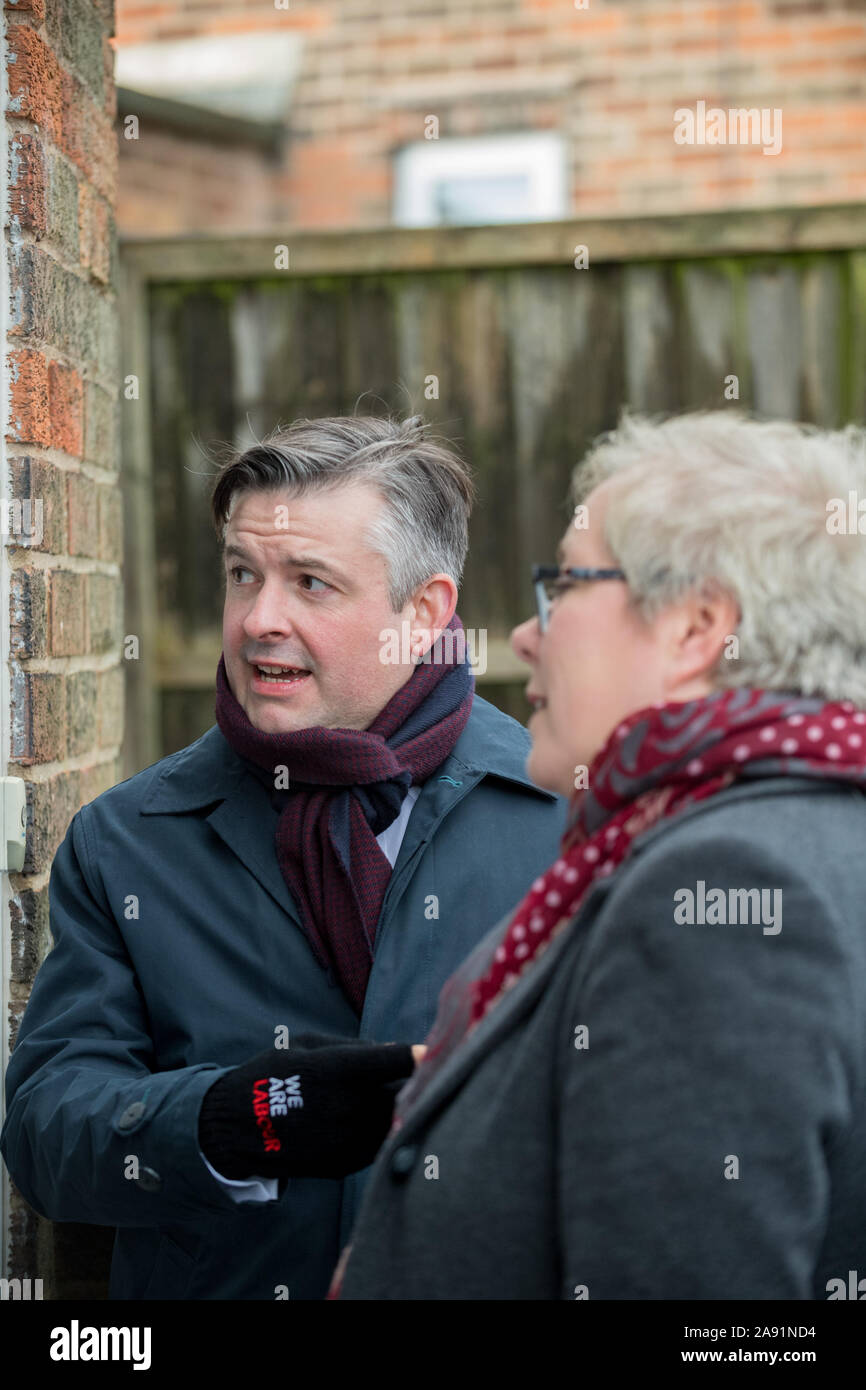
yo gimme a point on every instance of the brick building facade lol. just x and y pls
(607, 76)
(62, 688)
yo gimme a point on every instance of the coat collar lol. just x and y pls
(209, 770)
(210, 773)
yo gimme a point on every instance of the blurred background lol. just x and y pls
(477, 211)
(312, 115)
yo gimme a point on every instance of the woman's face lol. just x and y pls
(598, 661)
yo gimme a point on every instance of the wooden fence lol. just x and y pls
(504, 337)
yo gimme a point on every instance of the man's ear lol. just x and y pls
(703, 626)
(432, 608)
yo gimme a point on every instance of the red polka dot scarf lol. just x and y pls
(654, 764)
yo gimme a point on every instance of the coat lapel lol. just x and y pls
(519, 1000)
(208, 772)
(501, 1019)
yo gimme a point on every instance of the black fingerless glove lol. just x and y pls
(315, 1111)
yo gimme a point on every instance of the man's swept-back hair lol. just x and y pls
(427, 489)
(716, 501)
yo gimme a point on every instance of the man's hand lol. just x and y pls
(320, 1111)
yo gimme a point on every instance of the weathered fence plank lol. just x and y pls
(522, 361)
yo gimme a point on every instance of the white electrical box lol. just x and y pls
(13, 824)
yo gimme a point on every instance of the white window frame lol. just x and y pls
(538, 154)
(246, 75)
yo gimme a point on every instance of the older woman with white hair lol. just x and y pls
(647, 1082)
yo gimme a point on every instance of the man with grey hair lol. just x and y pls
(246, 929)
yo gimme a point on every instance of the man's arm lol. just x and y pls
(718, 1061)
(86, 1109)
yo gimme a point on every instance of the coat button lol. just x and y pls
(403, 1161)
(131, 1115)
(149, 1180)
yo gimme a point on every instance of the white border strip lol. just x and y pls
(5, 682)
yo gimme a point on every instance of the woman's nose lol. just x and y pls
(524, 640)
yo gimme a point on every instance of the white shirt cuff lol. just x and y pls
(246, 1189)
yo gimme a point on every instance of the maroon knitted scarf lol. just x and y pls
(345, 787)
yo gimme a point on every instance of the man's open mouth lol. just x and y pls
(279, 675)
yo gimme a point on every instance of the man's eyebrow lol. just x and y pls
(307, 562)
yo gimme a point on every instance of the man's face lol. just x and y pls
(306, 591)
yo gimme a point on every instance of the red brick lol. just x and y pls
(29, 406)
(51, 805)
(730, 14)
(35, 8)
(246, 22)
(39, 723)
(34, 480)
(82, 712)
(714, 44)
(28, 184)
(112, 694)
(35, 80)
(766, 38)
(586, 24)
(837, 33)
(66, 400)
(110, 525)
(104, 613)
(94, 225)
(28, 611)
(87, 136)
(67, 613)
(83, 512)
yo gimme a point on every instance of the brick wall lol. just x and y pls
(62, 366)
(609, 77)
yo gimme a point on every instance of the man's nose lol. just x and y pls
(524, 640)
(269, 613)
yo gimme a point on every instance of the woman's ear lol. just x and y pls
(701, 628)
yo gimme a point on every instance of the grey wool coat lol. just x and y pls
(655, 1110)
(177, 954)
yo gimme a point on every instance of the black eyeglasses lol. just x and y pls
(551, 582)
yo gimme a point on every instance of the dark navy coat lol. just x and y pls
(177, 954)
